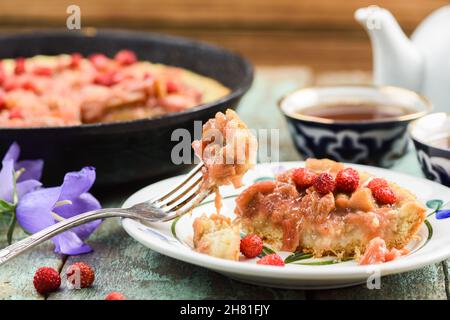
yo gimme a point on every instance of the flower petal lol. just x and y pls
(83, 203)
(85, 230)
(7, 180)
(69, 243)
(86, 202)
(77, 183)
(34, 210)
(33, 169)
(13, 152)
(27, 186)
(443, 214)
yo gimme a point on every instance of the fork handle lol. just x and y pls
(21, 246)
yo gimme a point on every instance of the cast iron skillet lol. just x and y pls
(130, 150)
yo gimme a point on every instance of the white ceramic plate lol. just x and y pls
(174, 239)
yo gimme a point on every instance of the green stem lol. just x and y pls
(11, 227)
(12, 224)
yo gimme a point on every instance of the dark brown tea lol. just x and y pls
(361, 111)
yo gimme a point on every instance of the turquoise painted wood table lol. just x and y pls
(122, 264)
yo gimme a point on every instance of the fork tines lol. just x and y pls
(183, 193)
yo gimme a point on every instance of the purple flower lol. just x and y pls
(443, 214)
(44, 207)
(28, 179)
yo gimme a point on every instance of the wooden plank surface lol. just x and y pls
(273, 14)
(124, 265)
(16, 277)
(426, 283)
(320, 50)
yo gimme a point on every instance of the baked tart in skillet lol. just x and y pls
(66, 89)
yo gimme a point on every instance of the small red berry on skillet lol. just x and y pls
(105, 79)
(20, 66)
(75, 60)
(2, 101)
(125, 57)
(15, 114)
(99, 61)
(2, 73)
(43, 71)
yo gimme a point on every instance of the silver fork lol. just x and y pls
(175, 203)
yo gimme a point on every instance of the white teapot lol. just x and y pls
(421, 63)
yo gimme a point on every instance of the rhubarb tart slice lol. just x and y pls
(328, 208)
(227, 148)
(217, 236)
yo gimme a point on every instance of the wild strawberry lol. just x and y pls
(271, 260)
(377, 182)
(125, 57)
(2, 101)
(105, 79)
(11, 83)
(347, 180)
(384, 195)
(20, 66)
(30, 86)
(115, 296)
(15, 114)
(80, 275)
(43, 71)
(2, 73)
(149, 76)
(304, 178)
(172, 86)
(324, 183)
(251, 246)
(99, 61)
(46, 280)
(75, 60)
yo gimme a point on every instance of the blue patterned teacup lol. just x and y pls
(431, 136)
(376, 142)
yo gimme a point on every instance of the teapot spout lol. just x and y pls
(396, 60)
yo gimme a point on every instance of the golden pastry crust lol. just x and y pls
(337, 224)
(217, 236)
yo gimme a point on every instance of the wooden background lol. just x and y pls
(321, 34)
